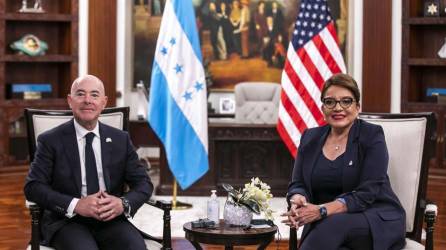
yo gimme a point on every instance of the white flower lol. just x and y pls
(258, 192)
(260, 196)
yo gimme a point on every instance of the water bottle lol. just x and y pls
(213, 207)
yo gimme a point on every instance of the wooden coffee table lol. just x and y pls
(229, 236)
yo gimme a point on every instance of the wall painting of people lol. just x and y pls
(246, 40)
(241, 40)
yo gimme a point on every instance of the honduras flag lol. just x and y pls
(178, 101)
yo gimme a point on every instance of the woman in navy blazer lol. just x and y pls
(340, 191)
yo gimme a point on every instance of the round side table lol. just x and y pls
(229, 236)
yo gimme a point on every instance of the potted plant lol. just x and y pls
(241, 204)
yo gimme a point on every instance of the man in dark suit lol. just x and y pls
(79, 174)
(268, 40)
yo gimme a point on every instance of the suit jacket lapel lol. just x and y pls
(350, 161)
(72, 153)
(106, 151)
(313, 152)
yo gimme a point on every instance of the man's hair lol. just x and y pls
(342, 80)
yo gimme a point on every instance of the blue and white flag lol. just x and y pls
(178, 101)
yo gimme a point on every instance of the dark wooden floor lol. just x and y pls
(15, 220)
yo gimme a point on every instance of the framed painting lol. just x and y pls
(241, 40)
(246, 40)
(227, 105)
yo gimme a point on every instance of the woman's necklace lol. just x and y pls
(337, 146)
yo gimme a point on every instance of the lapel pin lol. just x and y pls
(108, 139)
(350, 163)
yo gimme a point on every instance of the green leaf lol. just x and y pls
(228, 188)
(252, 205)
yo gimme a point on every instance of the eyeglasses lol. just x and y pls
(330, 103)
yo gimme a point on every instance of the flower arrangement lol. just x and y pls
(255, 196)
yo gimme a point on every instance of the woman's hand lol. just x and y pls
(307, 214)
(302, 212)
(290, 218)
(297, 201)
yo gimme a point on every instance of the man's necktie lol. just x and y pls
(90, 166)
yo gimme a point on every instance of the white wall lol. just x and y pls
(354, 49)
(395, 92)
(83, 37)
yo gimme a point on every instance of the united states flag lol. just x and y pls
(313, 56)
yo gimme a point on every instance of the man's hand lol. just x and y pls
(89, 206)
(110, 207)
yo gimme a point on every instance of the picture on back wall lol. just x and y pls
(241, 40)
(247, 40)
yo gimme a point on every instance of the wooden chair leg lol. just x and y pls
(167, 238)
(429, 218)
(292, 242)
(34, 210)
(166, 206)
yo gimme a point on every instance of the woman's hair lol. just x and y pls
(342, 80)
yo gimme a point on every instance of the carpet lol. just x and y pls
(150, 219)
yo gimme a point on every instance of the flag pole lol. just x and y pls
(178, 59)
(178, 205)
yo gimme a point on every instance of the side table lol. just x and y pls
(229, 236)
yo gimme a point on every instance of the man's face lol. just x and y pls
(87, 100)
(269, 21)
(212, 7)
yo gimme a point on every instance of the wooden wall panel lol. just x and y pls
(377, 52)
(102, 44)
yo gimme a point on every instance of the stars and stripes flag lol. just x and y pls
(178, 101)
(313, 56)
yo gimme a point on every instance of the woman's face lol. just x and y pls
(340, 117)
(261, 7)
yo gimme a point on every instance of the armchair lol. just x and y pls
(409, 139)
(257, 102)
(38, 121)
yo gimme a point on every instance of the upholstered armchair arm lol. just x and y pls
(34, 211)
(166, 206)
(430, 215)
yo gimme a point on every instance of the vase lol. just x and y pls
(236, 214)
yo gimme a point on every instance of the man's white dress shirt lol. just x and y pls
(81, 132)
